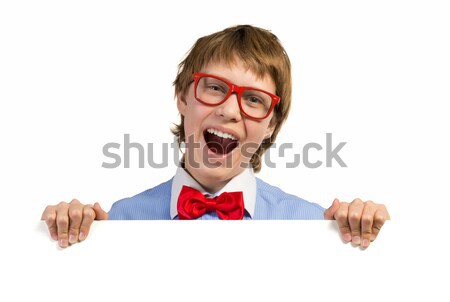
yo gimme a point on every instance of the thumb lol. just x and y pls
(100, 214)
(329, 213)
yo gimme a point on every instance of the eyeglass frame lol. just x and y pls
(233, 88)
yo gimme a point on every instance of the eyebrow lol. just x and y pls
(232, 82)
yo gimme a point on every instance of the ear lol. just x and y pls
(181, 104)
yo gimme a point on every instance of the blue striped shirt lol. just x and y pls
(271, 204)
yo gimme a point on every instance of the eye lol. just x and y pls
(254, 100)
(214, 87)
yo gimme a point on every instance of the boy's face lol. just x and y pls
(213, 170)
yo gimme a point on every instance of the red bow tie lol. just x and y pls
(193, 204)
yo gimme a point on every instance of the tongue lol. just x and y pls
(219, 144)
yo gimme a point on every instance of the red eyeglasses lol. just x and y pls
(212, 90)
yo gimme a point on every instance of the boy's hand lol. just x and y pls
(358, 221)
(70, 222)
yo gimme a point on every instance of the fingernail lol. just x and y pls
(365, 243)
(347, 237)
(81, 236)
(63, 243)
(72, 238)
(356, 240)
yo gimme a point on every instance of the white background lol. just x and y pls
(77, 75)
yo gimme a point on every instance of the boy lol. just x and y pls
(233, 93)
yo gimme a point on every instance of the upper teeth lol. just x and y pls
(221, 134)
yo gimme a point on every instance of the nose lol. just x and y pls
(230, 109)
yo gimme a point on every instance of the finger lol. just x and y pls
(62, 223)
(367, 223)
(341, 217)
(49, 216)
(380, 217)
(100, 214)
(75, 216)
(355, 211)
(88, 218)
(329, 213)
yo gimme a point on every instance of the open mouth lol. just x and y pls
(219, 142)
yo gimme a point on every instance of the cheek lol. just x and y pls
(189, 125)
(256, 131)
(255, 134)
(195, 114)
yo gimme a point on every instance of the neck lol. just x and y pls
(209, 184)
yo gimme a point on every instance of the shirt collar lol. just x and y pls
(245, 182)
